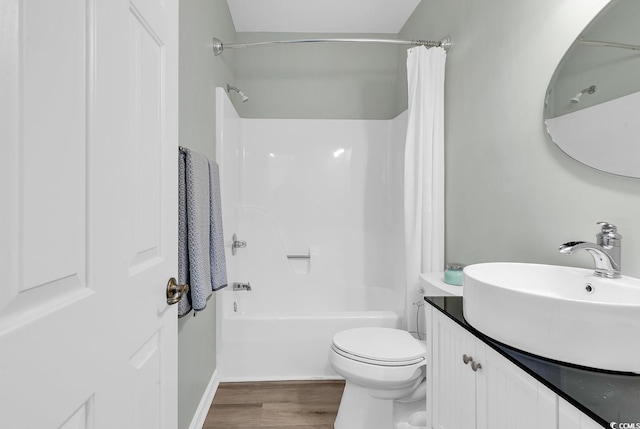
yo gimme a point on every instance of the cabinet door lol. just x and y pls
(429, 314)
(569, 417)
(454, 390)
(508, 397)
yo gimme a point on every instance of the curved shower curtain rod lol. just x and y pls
(603, 44)
(219, 47)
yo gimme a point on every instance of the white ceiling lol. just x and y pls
(321, 16)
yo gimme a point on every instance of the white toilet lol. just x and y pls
(384, 371)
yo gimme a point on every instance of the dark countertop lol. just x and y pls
(604, 396)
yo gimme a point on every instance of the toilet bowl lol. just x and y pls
(383, 369)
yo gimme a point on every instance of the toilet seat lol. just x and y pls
(379, 346)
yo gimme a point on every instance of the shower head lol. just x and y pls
(576, 99)
(589, 90)
(240, 93)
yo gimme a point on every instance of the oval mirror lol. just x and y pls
(592, 105)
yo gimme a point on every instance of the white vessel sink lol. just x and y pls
(561, 313)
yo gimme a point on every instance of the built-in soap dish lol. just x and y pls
(300, 262)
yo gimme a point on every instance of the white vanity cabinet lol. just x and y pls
(508, 397)
(486, 392)
(569, 417)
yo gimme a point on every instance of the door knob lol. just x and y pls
(175, 292)
(466, 359)
(475, 366)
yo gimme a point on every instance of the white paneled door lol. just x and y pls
(88, 223)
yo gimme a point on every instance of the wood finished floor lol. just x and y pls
(275, 405)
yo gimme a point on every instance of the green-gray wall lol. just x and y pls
(200, 73)
(511, 194)
(327, 81)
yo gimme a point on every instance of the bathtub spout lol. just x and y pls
(242, 286)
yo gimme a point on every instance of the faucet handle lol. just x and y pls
(609, 235)
(608, 227)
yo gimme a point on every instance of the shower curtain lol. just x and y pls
(424, 168)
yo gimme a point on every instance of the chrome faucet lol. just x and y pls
(605, 252)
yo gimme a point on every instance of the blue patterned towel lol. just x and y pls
(216, 242)
(183, 255)
(194, 231)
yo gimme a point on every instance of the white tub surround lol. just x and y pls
(318, 204)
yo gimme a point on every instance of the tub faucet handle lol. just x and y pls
(237, 244)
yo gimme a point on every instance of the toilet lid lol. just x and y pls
(384, 346)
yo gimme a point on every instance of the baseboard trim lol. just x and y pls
(276, 378)
(207, 398)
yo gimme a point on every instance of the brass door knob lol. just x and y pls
(175, 292)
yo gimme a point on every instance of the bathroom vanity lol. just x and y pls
(475, 382)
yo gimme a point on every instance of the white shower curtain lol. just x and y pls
(424, 168)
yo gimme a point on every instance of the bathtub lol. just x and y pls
(287, 343)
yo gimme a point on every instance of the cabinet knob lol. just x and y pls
(475, 366)
(466, 359)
